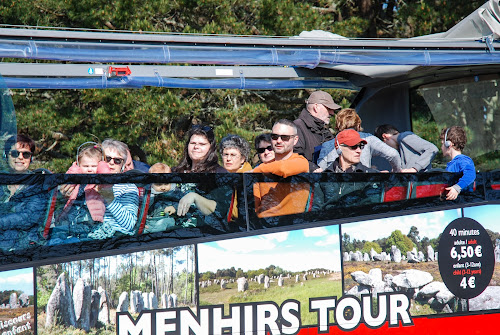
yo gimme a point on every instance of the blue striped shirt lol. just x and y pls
(121, 213)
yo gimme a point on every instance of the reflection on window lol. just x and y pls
(49, 217)
(470, 103)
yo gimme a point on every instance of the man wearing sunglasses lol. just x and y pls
(282, 198)
(349, 145)
(313, 126)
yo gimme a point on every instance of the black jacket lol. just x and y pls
(335, 167)
(312, 133)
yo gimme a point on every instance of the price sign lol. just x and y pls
(466, 258)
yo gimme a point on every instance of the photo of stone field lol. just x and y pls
(275, 267)
(400, 255)
(83, 296)
(17, 310)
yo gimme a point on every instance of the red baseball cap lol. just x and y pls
(348, 137)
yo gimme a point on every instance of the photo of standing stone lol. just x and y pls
(299, 264)
(399, 254)
(17, 310)
(87, 294)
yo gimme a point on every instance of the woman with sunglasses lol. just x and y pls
(347, 118)
(207, 202)
(21, 206)
(121, 200)
(264, 148)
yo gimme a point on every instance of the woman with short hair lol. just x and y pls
(121, 200)
(234, 151)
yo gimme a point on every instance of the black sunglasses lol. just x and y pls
(262, 150)
(285, 138)
(116, 160)
(354, 147)
(206, 129)
(15, 154)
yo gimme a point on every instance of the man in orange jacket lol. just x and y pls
(282, 198)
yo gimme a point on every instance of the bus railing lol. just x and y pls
(39, 221)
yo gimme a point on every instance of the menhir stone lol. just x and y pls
(266, 282)
(412, 279)
(60, 309)
(153, 301)
(103, 306)
(136, 302)
(172, 300)
(242, 284)
(82, 295)
(13, 302)
(24, 300)
(489, 299)
(94, 308)
(123, 302)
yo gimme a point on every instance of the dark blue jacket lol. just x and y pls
(21, 216)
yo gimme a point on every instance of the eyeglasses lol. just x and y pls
(354, 147)
(232, 156)
(116, 160)
(15, 154)
(262, 150)
(285, 138)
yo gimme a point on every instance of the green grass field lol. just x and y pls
(330, 285)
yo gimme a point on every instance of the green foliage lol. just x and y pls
(369, 245)
(156, 119)
(401, 241)
(425, 17)
(314, 287)
(5, 295)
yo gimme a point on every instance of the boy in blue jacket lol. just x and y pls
(453, 141)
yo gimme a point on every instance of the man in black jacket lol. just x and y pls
(349, 145)
(312, 125)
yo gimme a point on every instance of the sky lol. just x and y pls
(487, 215)
(429, 224)
(20, 279)
(297, 250)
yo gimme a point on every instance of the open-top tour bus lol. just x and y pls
(370, 253)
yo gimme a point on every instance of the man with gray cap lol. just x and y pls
(312, 125)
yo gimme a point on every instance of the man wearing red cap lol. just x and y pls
(312, 125)
(349, 145)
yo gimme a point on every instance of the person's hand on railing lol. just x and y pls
(452, 193)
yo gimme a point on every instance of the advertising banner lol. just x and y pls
(425, 272)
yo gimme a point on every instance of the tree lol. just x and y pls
(347, 246)
(401, 241)
(153, 121)
(413, 235)
(371, 245)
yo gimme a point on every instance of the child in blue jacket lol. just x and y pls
(453, 141)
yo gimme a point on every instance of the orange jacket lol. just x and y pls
(282, 198)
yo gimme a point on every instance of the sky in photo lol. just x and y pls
(487, 215)
(429, 224)
(20, 279)
(297, 250)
